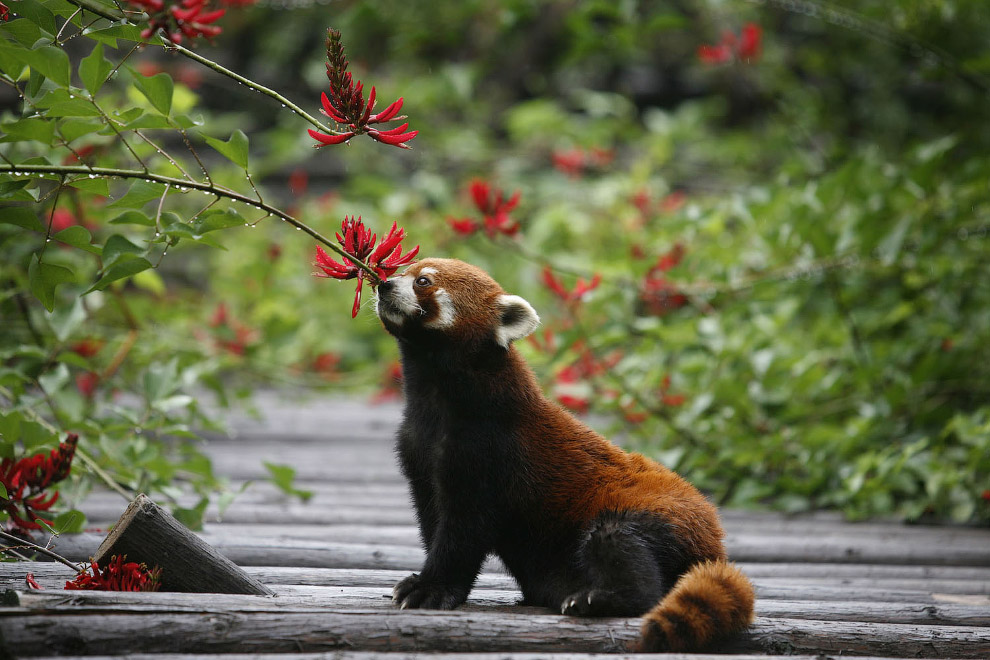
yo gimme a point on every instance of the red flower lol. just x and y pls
(178, 20)
(32, 583)
(298, 182)
(63, 219)
(359, 242)
(746, 48)
(26, 479)
(570, 162)
(463, 226)
(673, 201)
(581, 288)
(117, 575)
(658, 294)
(666, 397)
(86, 383)
(87, 348)
(230, 334)
(326, 363)
(346, 105)
(495, 208)
(575, 403)
(4, 12)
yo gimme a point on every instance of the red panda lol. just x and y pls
(494, 467)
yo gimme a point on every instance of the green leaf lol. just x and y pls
(192, 518)
(117, 248)
(235, 149)
(24, 31)
(98, 185)
(215, 219)
(66, 319)
(133, 218)
(34, 128)
(119, 271)
(16, 191)
(21, 216)
(45, 277)
(158, 89)
(283, 477)
(72, 129)
(148, 120)
(69, 522)
(38, 14)
(150, 280)
(3, 491)
(50, 62)
(94, 69)
(60, 103)
(110, 35)
(79, 237)
(140, 193)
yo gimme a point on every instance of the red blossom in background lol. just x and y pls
(494, 208)
(189, 19)
(575, 162)
(4, 12)
(346, 105)
(658, 294)
(230, 334)
(88, 347)
(26, 480)
(575, 295)
(359, 242)
(87, 382)
(666, 397)
(391, 388)
(747, 47)
(117, 575)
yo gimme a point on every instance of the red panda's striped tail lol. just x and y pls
(712, 600)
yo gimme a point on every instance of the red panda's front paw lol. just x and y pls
(414, 593)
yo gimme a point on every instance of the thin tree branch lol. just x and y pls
(212, 189)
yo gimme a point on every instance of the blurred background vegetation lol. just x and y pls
(791, 236)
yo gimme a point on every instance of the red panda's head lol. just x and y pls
(455, 301)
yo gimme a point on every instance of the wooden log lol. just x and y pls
(372, 655)
(92, 630)
(290, 597)
(149, 534)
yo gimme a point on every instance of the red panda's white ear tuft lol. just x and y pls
(517, 319)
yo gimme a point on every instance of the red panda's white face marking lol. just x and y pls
(456, 299)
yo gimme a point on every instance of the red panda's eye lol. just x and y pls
(422, 280)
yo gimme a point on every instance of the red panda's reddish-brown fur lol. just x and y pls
(495, 467)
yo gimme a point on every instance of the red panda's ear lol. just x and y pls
(517, 318)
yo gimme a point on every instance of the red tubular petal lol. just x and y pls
(325, 139)
(394, 140)
(357, 298)
(210, 16)
(331, 111)
(513, 201)
(371, 105)
(395, 131)
(388, 113)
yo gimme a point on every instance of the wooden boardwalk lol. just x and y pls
(825, 587)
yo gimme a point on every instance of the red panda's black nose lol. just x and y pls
(385, 286)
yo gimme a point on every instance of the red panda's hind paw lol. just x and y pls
(414, 593)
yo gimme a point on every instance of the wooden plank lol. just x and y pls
(54, 575)
(291, 597)
(34, 632)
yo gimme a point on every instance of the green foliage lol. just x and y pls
(830, 197)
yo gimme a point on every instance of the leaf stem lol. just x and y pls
(39, 548)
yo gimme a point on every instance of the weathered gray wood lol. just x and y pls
(148, 534)
(38, 632)
(289, 597)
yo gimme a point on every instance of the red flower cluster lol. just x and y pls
(745, 48)
(494, 208)
(575, 295)
(346, 105)
(359, 242)
(658, 294)
(187, 18)
(230, 334)
(4, 12)
(586, 367)
(118, 575)
(575, 162)
(26, 479)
